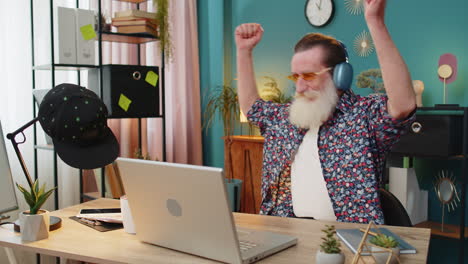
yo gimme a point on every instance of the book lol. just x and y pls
(352, 237)
(138, 29)
(135, 13)
(134, 22)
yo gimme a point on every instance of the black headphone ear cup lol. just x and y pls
(343, 76)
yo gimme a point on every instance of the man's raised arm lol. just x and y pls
(395, 74)
(247, 37)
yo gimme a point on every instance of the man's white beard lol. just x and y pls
(307, 114)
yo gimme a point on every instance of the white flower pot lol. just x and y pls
(324, 258)
(381, 257)
(34, 227)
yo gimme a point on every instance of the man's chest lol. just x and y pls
(346, 137)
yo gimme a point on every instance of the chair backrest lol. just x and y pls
(394, 212)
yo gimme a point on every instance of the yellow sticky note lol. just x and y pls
(152, 78)
(87, 31)
(124, 102)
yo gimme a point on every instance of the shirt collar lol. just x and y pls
(346, 101)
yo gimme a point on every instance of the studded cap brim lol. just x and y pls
(89, 157)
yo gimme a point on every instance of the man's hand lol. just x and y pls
(248, 36)
(374, 11)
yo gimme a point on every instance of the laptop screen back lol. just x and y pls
(182, 207)
(8, 200)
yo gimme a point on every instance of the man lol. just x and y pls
(324, 153)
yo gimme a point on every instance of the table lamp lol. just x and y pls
(76, 120)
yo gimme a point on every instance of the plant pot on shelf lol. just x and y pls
(381, 255)
(325, 258)
(34, 226)
(234, 189)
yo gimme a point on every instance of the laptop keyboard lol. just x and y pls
(246, 245)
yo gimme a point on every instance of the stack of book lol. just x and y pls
(135, 21)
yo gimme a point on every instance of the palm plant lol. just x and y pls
(36, 197)
(223, 101)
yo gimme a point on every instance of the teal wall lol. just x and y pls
(422, 29)
(211, 46)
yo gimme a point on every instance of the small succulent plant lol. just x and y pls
(330, 244)
(36, 197)
(139, 155)
(384, 241)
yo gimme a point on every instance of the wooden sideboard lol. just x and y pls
(244, 155)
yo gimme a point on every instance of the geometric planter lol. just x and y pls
(325, 258)
(381, 256)
(34, 227)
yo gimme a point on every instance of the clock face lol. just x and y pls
(319, 12)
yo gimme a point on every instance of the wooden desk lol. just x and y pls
(77, 241)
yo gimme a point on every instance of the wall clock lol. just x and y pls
(319, 12)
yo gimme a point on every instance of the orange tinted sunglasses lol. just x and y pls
(309, 76)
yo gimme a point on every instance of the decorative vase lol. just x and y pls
(34, 227)
(325, 258)
(381, 257)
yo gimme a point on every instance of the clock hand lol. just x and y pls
(320, 3)
(318, 6)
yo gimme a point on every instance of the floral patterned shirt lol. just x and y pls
(352, 147)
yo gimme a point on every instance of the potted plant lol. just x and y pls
(35, 222)
(138, 154)
(330, 252)
(224, 101)
(383, 246)
(162, 18)
(271, 92)
(372, 79)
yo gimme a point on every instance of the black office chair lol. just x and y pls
(394, 212)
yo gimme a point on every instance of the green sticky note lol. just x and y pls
(87, 31)
(124, 102)
(152, 78)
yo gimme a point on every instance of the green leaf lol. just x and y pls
(41, 191)
(27, 196)
(42, 199)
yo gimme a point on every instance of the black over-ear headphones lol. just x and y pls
(343, 72)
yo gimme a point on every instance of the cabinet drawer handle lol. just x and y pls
(136, 75)
(416, 127)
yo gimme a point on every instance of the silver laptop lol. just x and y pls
(185, 207)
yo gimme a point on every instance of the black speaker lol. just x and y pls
(128, 91)
(432, 135)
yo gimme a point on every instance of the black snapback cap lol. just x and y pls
(76, 120)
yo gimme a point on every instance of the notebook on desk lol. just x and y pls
(352, 238)
(185, 208)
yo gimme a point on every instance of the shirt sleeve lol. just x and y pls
(263, 113)
(387, 130)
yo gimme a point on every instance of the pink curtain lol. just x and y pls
(182, 91)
